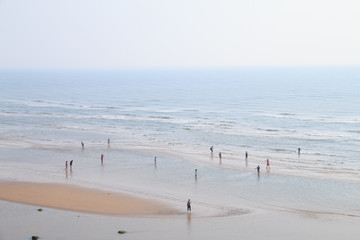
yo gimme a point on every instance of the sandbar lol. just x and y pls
(80, 199)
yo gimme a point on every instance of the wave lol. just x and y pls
(280, 150)
(55, 104)
(327, 135)
(40, 103)
(203, 125)
(287, 114)
(269, 130)
(353, 131)
(160, 117)
(327, 119)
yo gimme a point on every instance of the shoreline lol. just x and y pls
(280, 165)
(81, 199)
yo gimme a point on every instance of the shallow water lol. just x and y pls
(55, 224)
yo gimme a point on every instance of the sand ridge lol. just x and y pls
(65, 197)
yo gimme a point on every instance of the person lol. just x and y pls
(66, 164)
(108, 140)
(196, 172)
(212, 149)
(71, 162)
(267, 163)
(155, 160)
(246, 155)
(189, 205)
(220, 155)
(299, 149)
(258, 169)
(82, 145)
(102, 158)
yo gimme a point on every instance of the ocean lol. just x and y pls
(177, 115)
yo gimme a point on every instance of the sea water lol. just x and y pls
(177, 115)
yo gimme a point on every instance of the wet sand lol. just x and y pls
(80, 199)
(21, 221)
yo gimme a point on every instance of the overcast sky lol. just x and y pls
(136, 34)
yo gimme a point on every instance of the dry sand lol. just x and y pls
(80, 199)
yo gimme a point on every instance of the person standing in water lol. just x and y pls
(220, 155)
(82, 145)
(299, 149)
(268, 165)
(66, 164)
(258, 169)
(108, 140)
(155, 161)
(246, 155)
(189, 205)
(196, 172)
(212, 149)
(102, 158)
(71, 162)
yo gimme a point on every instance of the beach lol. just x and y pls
(312, 195)
(150, 202)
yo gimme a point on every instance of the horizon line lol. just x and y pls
(184, 68)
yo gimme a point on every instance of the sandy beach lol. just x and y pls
(65, 197)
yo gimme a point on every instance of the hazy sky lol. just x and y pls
(171, 34)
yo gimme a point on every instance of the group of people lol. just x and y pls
(83, 147)
(267, 166)
(246, 159)
(71, 163)
(196, 171)
(212, 150)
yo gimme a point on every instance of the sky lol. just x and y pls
(137, 34)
